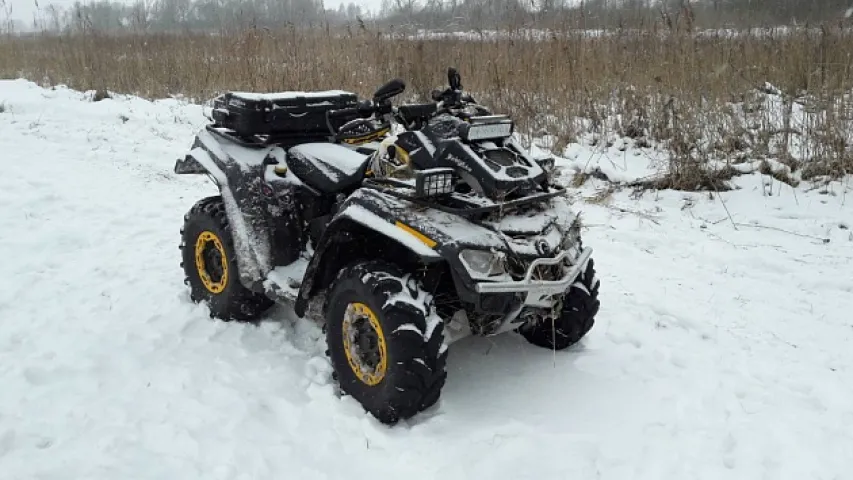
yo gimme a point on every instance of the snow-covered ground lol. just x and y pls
(545, 34)
(719, 352)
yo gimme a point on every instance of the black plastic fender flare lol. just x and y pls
(199, 160)
(354, 223)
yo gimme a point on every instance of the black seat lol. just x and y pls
(327, 167)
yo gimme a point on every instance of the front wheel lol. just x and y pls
(576, 317)
(385, 341)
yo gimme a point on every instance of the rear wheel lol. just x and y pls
(576, 317)
(385, 341)
(210, 264)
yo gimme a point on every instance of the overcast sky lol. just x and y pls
(24, 9)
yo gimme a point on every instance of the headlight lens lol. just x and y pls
(488, 127)
(484, 264)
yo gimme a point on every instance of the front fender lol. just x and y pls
(358, 233)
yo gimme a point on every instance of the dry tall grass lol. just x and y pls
(668, 86)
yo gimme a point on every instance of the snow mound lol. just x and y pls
(722, 349)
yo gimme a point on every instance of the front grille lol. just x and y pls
(517, 268)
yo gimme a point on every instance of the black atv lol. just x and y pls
(399, 242)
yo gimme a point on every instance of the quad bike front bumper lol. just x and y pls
(510, 304)
(541, 293)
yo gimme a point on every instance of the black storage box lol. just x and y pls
(301, 114)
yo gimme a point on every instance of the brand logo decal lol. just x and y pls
(459, 162)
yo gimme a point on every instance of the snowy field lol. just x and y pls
(546, 34)
(721, 351)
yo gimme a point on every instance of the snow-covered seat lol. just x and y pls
(328, 167)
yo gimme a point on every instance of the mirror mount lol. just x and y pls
(454, 79)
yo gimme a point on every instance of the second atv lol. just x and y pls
(399, 242)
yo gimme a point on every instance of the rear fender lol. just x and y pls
(190, 164)
(199, 161)
(237, 183)
(358, 234)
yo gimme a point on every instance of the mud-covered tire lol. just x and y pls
(576, 319)
(229, 299)
(413, 336)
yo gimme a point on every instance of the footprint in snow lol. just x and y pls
(318, 370)
(729, 445)
(7, 442)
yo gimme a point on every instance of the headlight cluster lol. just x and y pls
(488, 131)
(486, 127)
(483, 264)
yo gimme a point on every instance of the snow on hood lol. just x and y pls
(441, 226)
(519, 234)
(521, 222)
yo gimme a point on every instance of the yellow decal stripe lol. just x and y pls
(420, 236)
(367, 137)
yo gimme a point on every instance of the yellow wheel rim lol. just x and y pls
(364, 344)
(210, 256)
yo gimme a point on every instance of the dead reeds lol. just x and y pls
(704, 97)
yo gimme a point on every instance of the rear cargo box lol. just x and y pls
(300, 114)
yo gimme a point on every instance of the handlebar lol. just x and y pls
(411, 113)
(364, 110)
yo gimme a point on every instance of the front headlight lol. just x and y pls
(483, 264)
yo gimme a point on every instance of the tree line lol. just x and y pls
(212, 15)
(191, 15)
